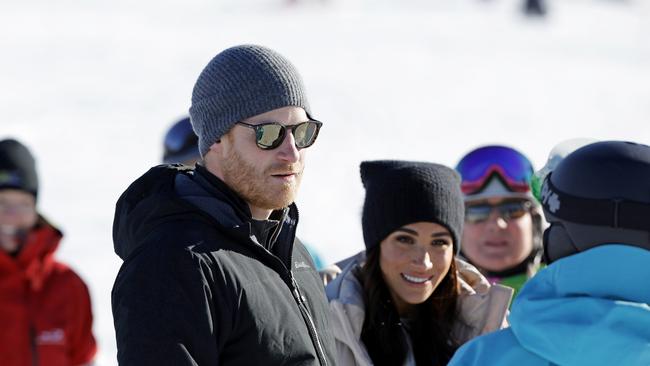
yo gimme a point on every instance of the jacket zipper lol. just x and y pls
(298, 297)
(276, 231)
(33, 343)
(304, 309)
(310, 321)
(295, 292)
(32, 329)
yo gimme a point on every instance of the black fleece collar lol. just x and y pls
(215, 197)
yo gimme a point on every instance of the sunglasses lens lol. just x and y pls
(477, 166)
(477, 213)
(513, 210)
(269, 136)
(305, 134)
(508, 210)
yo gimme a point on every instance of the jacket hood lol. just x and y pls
(590, 308)
(148, 202)
(176, 192)
(346, 287)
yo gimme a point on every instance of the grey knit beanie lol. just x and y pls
(241, 82)
(399, 193)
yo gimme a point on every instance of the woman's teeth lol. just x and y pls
(415, 279)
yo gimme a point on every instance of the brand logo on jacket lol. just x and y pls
(301, 264)
(51, 337)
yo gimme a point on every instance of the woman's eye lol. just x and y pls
(404, 239)
(441, 242)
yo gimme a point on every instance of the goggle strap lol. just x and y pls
(600, 212)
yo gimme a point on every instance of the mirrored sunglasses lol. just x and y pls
(270, 135)
(506, 210)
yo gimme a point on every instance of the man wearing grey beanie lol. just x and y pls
(213, 272)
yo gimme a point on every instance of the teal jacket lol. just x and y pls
(590, 308)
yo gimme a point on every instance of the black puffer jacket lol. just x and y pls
(196, 288)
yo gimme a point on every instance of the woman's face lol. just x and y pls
(500, 241)
(413, 260)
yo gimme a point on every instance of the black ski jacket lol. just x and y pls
(197, 288)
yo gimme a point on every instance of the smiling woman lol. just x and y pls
(407, 300)
(414, 260)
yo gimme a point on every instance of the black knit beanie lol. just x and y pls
(242, 82)
(399, 193)
(17, 167)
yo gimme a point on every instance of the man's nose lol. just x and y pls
(287, 150)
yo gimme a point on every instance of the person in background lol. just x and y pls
(535, 8)
(591, 304)
(502, 235)
(181, 145)
(555, 156)
(407, 299)
(45, 310)
(213, 273)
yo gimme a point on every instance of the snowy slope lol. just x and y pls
(91, 87)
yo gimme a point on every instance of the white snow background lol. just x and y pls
(91, 87)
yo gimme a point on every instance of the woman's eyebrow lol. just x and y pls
(407, 230)
(440, 234)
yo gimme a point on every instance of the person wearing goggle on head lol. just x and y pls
(503, 224)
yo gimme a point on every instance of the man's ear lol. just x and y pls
(216, 146)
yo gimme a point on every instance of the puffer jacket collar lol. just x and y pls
(36, 259)
(168, 193)
(211, 195)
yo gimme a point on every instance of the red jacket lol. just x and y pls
(45, 313)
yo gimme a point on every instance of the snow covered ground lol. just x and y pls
(92, 86)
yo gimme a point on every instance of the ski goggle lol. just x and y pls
(270, 135)
(476, 168)
(506, 210)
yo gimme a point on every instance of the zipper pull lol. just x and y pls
(296, 294)
(296, 290)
